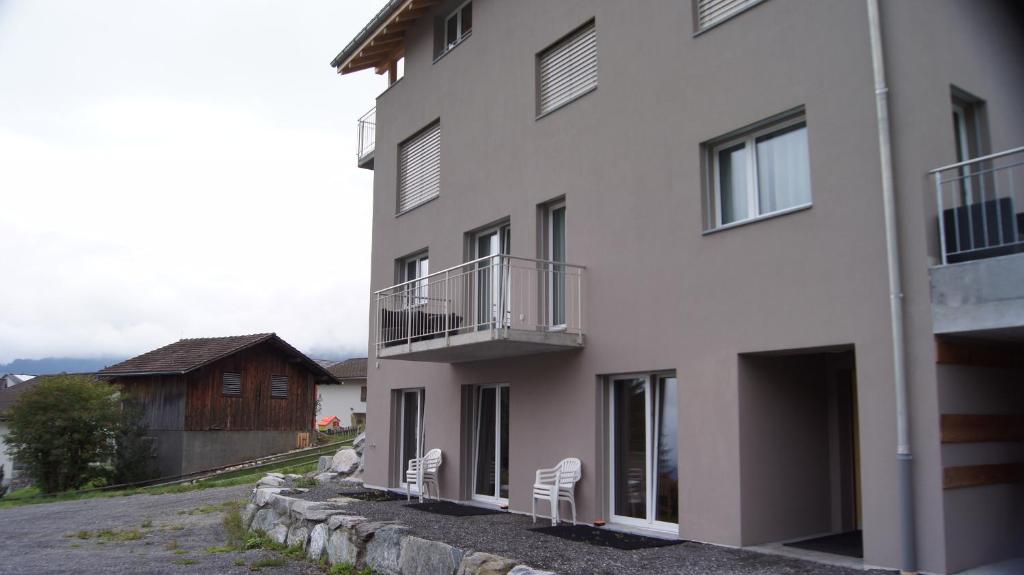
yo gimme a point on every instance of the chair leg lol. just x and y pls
(554, 509)
(408, 493)
(572, 505)
(533, 508)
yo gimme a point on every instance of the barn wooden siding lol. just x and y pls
(162, 397)
(208, 409)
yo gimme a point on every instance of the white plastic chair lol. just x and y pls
(422, 472)
(556, 485)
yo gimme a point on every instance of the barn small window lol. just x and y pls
(279, 386)
(231, 384)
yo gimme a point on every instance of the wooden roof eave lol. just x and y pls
(390, 35)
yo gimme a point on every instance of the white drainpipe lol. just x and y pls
(908, 543)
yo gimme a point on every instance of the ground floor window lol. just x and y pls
(490, 441)
(644, 476)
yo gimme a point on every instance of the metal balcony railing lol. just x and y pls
(500, 294)
(981, 206)
(367, 128)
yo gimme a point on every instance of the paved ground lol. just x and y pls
(508, 535)
(180, 528)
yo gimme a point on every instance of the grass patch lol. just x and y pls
(232, 523)
(306, 482)
(181, 551)
(221, 549)
(349, 569)
(147, 524)
(272, 562)
(114, 535)
(239, 562)
(185, 561)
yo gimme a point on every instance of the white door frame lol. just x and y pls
(502, 237)
(551, 257)
(419, 393)
(651, 398)
(496, 498)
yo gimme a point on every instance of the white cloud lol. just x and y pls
(130, 218)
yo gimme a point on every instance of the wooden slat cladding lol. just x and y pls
(978, 475)
(162, 397)
(254, 409)
(971, 428)
(979, 354)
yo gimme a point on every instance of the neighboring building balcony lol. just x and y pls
(492, 307)
(367, 139)
(979, 286)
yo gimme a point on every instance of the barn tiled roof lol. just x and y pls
(187, 355)
(354, 368)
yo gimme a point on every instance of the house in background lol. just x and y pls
(12, 379)
(345, 397)
(211, 402)
(8, 396)
(328, 423)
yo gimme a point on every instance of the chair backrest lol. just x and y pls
(432, 460)
(570, 471)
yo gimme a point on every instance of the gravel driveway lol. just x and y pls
(175, 532)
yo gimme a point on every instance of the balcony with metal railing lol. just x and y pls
(492, 307)
(367, 139)
(979, 286)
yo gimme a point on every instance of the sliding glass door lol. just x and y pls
(556, 253)
(410, 428)
(644, 456)
(490, 466)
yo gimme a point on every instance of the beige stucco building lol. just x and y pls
(652, 235)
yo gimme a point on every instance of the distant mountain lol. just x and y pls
(50, 365)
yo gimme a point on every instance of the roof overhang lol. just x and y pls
(382, 41)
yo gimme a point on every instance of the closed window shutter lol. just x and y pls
(419, 168)
(568, 69)
(711, 11)
(231, 384)
(278, 386)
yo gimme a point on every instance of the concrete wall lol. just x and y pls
(660, 294)
(989, 520)
(979, 295)
(207, 449)
(342, 400)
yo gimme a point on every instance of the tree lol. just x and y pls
(3, 488)
(133, 449)
(63, 429)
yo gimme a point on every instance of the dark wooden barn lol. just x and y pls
(211, 402)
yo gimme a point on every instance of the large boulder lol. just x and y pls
(344, 547)
(325, 478)
(317, 542)
(359, 442)
(271, 481)
(485, 564)
(424, 557)
(525, 570)
(264, 520)
(324, 463)
(384, 549)
(298, 534)
(247, 514)
(345, 462)
(279, 533)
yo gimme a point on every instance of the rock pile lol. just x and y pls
(328, 529)
(344, 466)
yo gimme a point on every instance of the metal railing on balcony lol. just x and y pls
(367, 128)
(499, 294)
(981, 206)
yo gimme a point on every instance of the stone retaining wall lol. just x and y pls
(389, 548)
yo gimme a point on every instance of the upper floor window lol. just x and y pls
(362, 393)
(279, 386)
(567, 69)
(707, 13)
(759, 172)
(458, 25)
(231, 384)
(419, 168)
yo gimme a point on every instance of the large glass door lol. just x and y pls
(644, 456)
(490, 276)
(556, 253)
(490, 466)
(411, 428)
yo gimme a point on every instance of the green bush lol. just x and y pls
(62, 431)
(133, 449)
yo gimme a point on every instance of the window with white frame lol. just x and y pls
(758, 173)
(415, 269)
(458, 25)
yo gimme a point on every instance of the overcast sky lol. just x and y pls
(181, 168)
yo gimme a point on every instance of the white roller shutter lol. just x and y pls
(711, 11)
(419, 168)
(567, 69)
